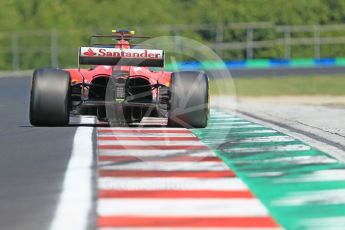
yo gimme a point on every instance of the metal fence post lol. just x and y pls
(287, 37)
(219, 39)
(317, 42)
(15, 53)
(249, 53)
(53, 49)
(138, 30)
(178, 44)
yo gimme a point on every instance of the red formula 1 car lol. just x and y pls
(120, 88)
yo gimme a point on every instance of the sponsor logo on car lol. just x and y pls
(90, 52)
(118, 53)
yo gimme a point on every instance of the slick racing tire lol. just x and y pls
(189, 100)
(50, 95)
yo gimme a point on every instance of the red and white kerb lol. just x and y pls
(164, 178)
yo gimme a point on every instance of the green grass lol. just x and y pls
(283, 86)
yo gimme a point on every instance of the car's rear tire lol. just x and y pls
(189, 100)
(50, 96)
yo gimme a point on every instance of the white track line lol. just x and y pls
(297, 147)
(138, 129)
(182, 207)
(224, 132)
(154, 183)
(317, 176)
(231, 123)
(149, 143)
(325, 197)
(213, 118)
(298, 160)
(263, 139)
(146, 134)
(155, 153)
(322, 223)
(183, 228)
(169, 166)
(235, 126)
(75, 200)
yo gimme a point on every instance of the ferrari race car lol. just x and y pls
(120, 87)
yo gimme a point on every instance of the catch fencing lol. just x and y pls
(236, 41)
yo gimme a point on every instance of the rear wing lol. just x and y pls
(117, 56)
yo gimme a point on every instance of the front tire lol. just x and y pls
(50, 95)
(189, 100)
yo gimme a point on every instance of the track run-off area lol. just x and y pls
(234, 174)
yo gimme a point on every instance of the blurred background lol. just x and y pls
(41, 32)
(246, 34)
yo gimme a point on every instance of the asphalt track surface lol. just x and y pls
(33, 161)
